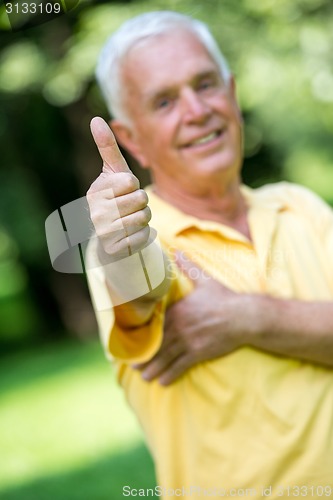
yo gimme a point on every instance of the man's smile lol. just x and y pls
(209, 139)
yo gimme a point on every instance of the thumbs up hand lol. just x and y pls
(118, 207)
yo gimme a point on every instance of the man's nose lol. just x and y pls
(194, 107)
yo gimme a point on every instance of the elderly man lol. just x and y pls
(228, 361)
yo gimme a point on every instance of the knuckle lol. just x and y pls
(143, 217)
(141, 197)
(148, 212)
(129, 181)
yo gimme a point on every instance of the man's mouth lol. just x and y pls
(205, 139)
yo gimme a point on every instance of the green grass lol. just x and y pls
(65, 429)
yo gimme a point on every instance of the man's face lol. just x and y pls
(186, 122)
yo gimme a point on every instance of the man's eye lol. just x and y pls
(206, 84)
(163, 102)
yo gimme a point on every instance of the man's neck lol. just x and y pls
(224, 205)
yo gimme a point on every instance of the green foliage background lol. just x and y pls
(281, 54)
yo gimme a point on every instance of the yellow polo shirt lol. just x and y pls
(249, 423)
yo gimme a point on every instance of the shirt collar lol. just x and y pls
(173, 221)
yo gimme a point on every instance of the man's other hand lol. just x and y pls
(208, 323)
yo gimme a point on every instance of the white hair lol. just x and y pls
(148, 25)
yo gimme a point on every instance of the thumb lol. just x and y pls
(194, 272)
(113, 160)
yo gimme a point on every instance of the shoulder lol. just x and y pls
(298, 199)
(293, 196)
(289, 193)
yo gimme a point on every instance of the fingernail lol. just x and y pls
(163, 381)
(145, 376)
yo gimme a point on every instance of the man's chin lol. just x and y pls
(212, 170)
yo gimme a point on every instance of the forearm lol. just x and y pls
(133, 313)
(138, 312)
(293, 328)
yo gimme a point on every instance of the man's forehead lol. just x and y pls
(165, 60)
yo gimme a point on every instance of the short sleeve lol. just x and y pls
(130, 345)
(308, 205)
(317, 212)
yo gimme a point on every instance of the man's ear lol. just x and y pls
(233, 95)
(126, 138)
(232, 86)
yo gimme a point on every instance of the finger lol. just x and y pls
(140, 366)
(194, 272)
(113, 160)
(127, 245)
(173, 320)
(112, 186)
(161, 361)
(128, 225)
(168, 338)
(176, 369)
(132, 202)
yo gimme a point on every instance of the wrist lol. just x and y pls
(255, 308)
(268, 319)
(142, 277)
